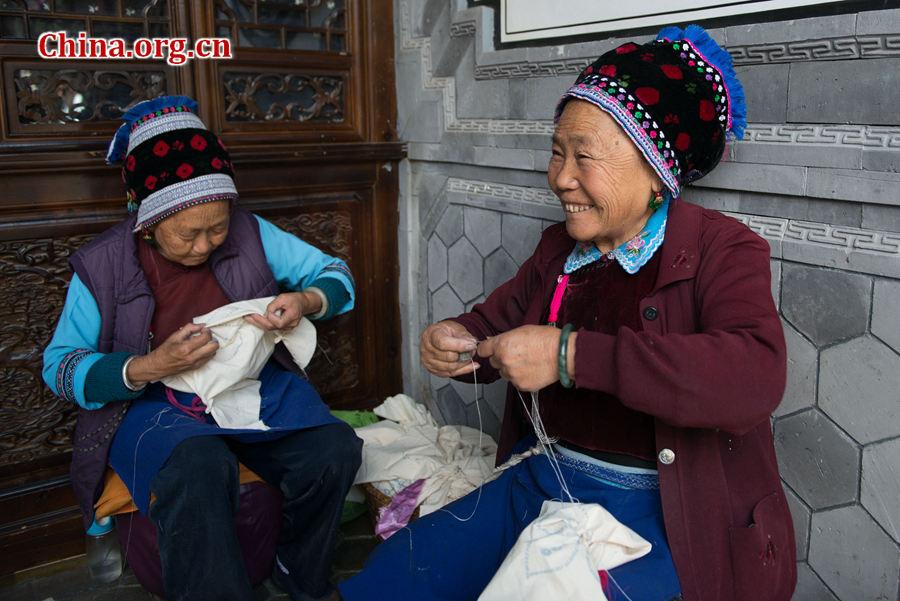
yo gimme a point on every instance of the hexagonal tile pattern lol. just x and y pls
(450, 227)
(445, 304)
(825, 304)
(817, 460)
(467, 392)
(803, 364)
(472, 303)
(880, 486)
(466, 273)
(437, 263)
(859, 388)
(490, 425)
(810, 587)
(498, 268)
(453, 410)
(800, 515)
(520, 236)
(885, 320)
(853, 556)
(495, 395)
(482, 228)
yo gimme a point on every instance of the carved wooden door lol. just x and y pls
(306, 106)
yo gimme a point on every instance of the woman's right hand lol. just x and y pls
(440, 348)
(188, 348)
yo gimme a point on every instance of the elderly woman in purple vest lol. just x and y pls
(646, 328)
(187, 249)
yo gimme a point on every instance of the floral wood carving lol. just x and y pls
(283, 97)
(34, 276)
(329, 230)
(49, 96)
(335, 366)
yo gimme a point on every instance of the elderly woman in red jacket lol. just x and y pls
(647, 327)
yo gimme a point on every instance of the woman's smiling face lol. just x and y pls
(600, 177)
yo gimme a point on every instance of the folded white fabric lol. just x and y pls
(227, 383)
(559, 554)
(409, 445)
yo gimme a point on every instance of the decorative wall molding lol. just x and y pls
(462, 29)
(840, 135)
(849, 240)
(840, 48)
(502, 191)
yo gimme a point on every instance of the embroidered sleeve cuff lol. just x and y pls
(105, 381)
(335, 294)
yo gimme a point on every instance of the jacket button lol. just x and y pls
(667, 456)
(651, 313)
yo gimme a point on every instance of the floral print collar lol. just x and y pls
(631, 255)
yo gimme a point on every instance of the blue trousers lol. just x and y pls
(197, 497)
(452, 554)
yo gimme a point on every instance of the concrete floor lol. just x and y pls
(69, 580)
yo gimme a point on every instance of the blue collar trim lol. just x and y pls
(631, 255)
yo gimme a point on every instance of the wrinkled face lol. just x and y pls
(188, 237)
(601, 178)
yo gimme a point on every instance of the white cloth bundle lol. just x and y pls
(227, 383)
(409, 445)
(559, 554)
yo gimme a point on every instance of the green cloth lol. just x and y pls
(356, 419)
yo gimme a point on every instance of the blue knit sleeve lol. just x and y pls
(298, 265)
(73, 349)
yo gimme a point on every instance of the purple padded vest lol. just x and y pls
(109, 267)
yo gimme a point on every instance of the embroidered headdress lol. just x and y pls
(677, 97)
(170, 161)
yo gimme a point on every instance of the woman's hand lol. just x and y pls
(285, 311)
(188, 348)
(528, 356)
(441, 345)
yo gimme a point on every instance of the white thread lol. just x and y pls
(613, 580)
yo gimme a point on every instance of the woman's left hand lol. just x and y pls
(526, 356)
(285, 311)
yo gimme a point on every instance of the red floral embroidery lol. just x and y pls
(672, 71)
(671, 119)
(608, 70)
(626, 48)
(130, 162)
(682, 142)
(216, 163)
(178, 145)
(150, 182)
(707, 110)
(160, 149)
(184, 171)
(198, 142)
(648, 96)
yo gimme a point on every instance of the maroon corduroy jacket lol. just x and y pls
(710, 366)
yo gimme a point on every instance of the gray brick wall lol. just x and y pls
(818, 176)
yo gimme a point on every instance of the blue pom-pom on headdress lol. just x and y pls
(721, 60)
(119, 145)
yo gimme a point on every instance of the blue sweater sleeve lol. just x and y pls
(298, 265)
(73, 349)
(73, 369)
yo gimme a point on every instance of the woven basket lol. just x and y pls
(376, 499)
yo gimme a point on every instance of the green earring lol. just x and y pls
(656, 200)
